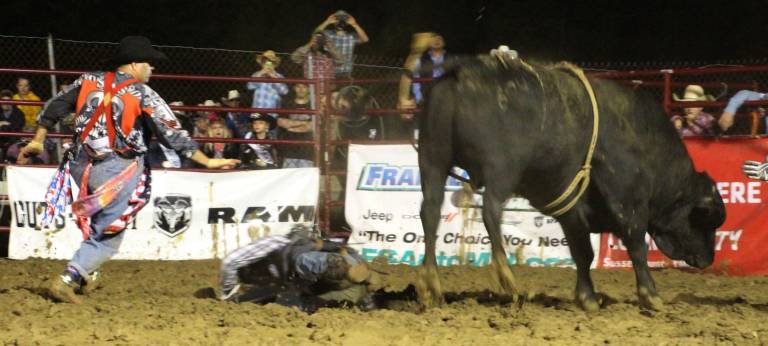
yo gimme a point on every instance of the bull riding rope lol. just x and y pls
(581, 179)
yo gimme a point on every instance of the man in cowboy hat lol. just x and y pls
(267, 94)
(237, 122)
(107, 158)
(695, 121)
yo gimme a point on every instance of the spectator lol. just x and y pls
(695, 122)
(11, 120)
(211, 114)
(267, 95)
(727, 118)
(426, 59)
(318, 58)
(201, 124)
(30, 112)
(12, 154)
(218, 129)
(297, 127)
(256, 155)
(431, 62)
(337, 28)
(237, 122)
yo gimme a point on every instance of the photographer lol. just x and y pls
(318, 58)
(342, 37)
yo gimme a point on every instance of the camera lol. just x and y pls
(342, 17)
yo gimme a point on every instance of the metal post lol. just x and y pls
(52, 64)
(667, 91)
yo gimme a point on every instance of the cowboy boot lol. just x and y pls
(62, 289)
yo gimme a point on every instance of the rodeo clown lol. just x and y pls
(297, 270)
(117, 114)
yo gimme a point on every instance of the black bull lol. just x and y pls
(525, 130)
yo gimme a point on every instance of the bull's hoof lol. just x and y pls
(588, 302)
(503, 281)
(650, 301)
(428, 288)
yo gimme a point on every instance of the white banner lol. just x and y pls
(190, 215)
(384, 199)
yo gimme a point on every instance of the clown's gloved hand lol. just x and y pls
(756, 170)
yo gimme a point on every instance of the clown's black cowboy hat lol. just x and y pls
(136, 49)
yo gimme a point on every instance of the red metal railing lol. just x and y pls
(322, 144)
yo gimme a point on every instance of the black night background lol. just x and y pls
(602, 30)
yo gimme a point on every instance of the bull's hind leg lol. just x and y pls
(428, 286)
(501, 274)
(577, 234)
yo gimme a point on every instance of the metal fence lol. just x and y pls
(660, 79)
(44, 53)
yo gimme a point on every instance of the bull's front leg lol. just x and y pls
(579, 243)
(638, 253)
(501, 274)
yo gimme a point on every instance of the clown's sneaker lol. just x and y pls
(62, 289)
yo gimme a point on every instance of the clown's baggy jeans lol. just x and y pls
(100, 247)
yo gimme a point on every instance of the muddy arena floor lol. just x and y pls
(149, 302)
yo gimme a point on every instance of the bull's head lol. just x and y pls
(687, 232)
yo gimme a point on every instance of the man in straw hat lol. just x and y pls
(695, 121)
(107, 159)
(267, 94)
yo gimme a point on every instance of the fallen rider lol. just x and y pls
(296, 270)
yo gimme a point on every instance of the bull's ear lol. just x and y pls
(709, 206)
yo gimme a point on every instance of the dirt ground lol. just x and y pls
(154, 303)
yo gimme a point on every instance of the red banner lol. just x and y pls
(740, 241)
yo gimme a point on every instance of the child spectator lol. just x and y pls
(297, 126)
(218, 129)
(695, 121)
(259, 156)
